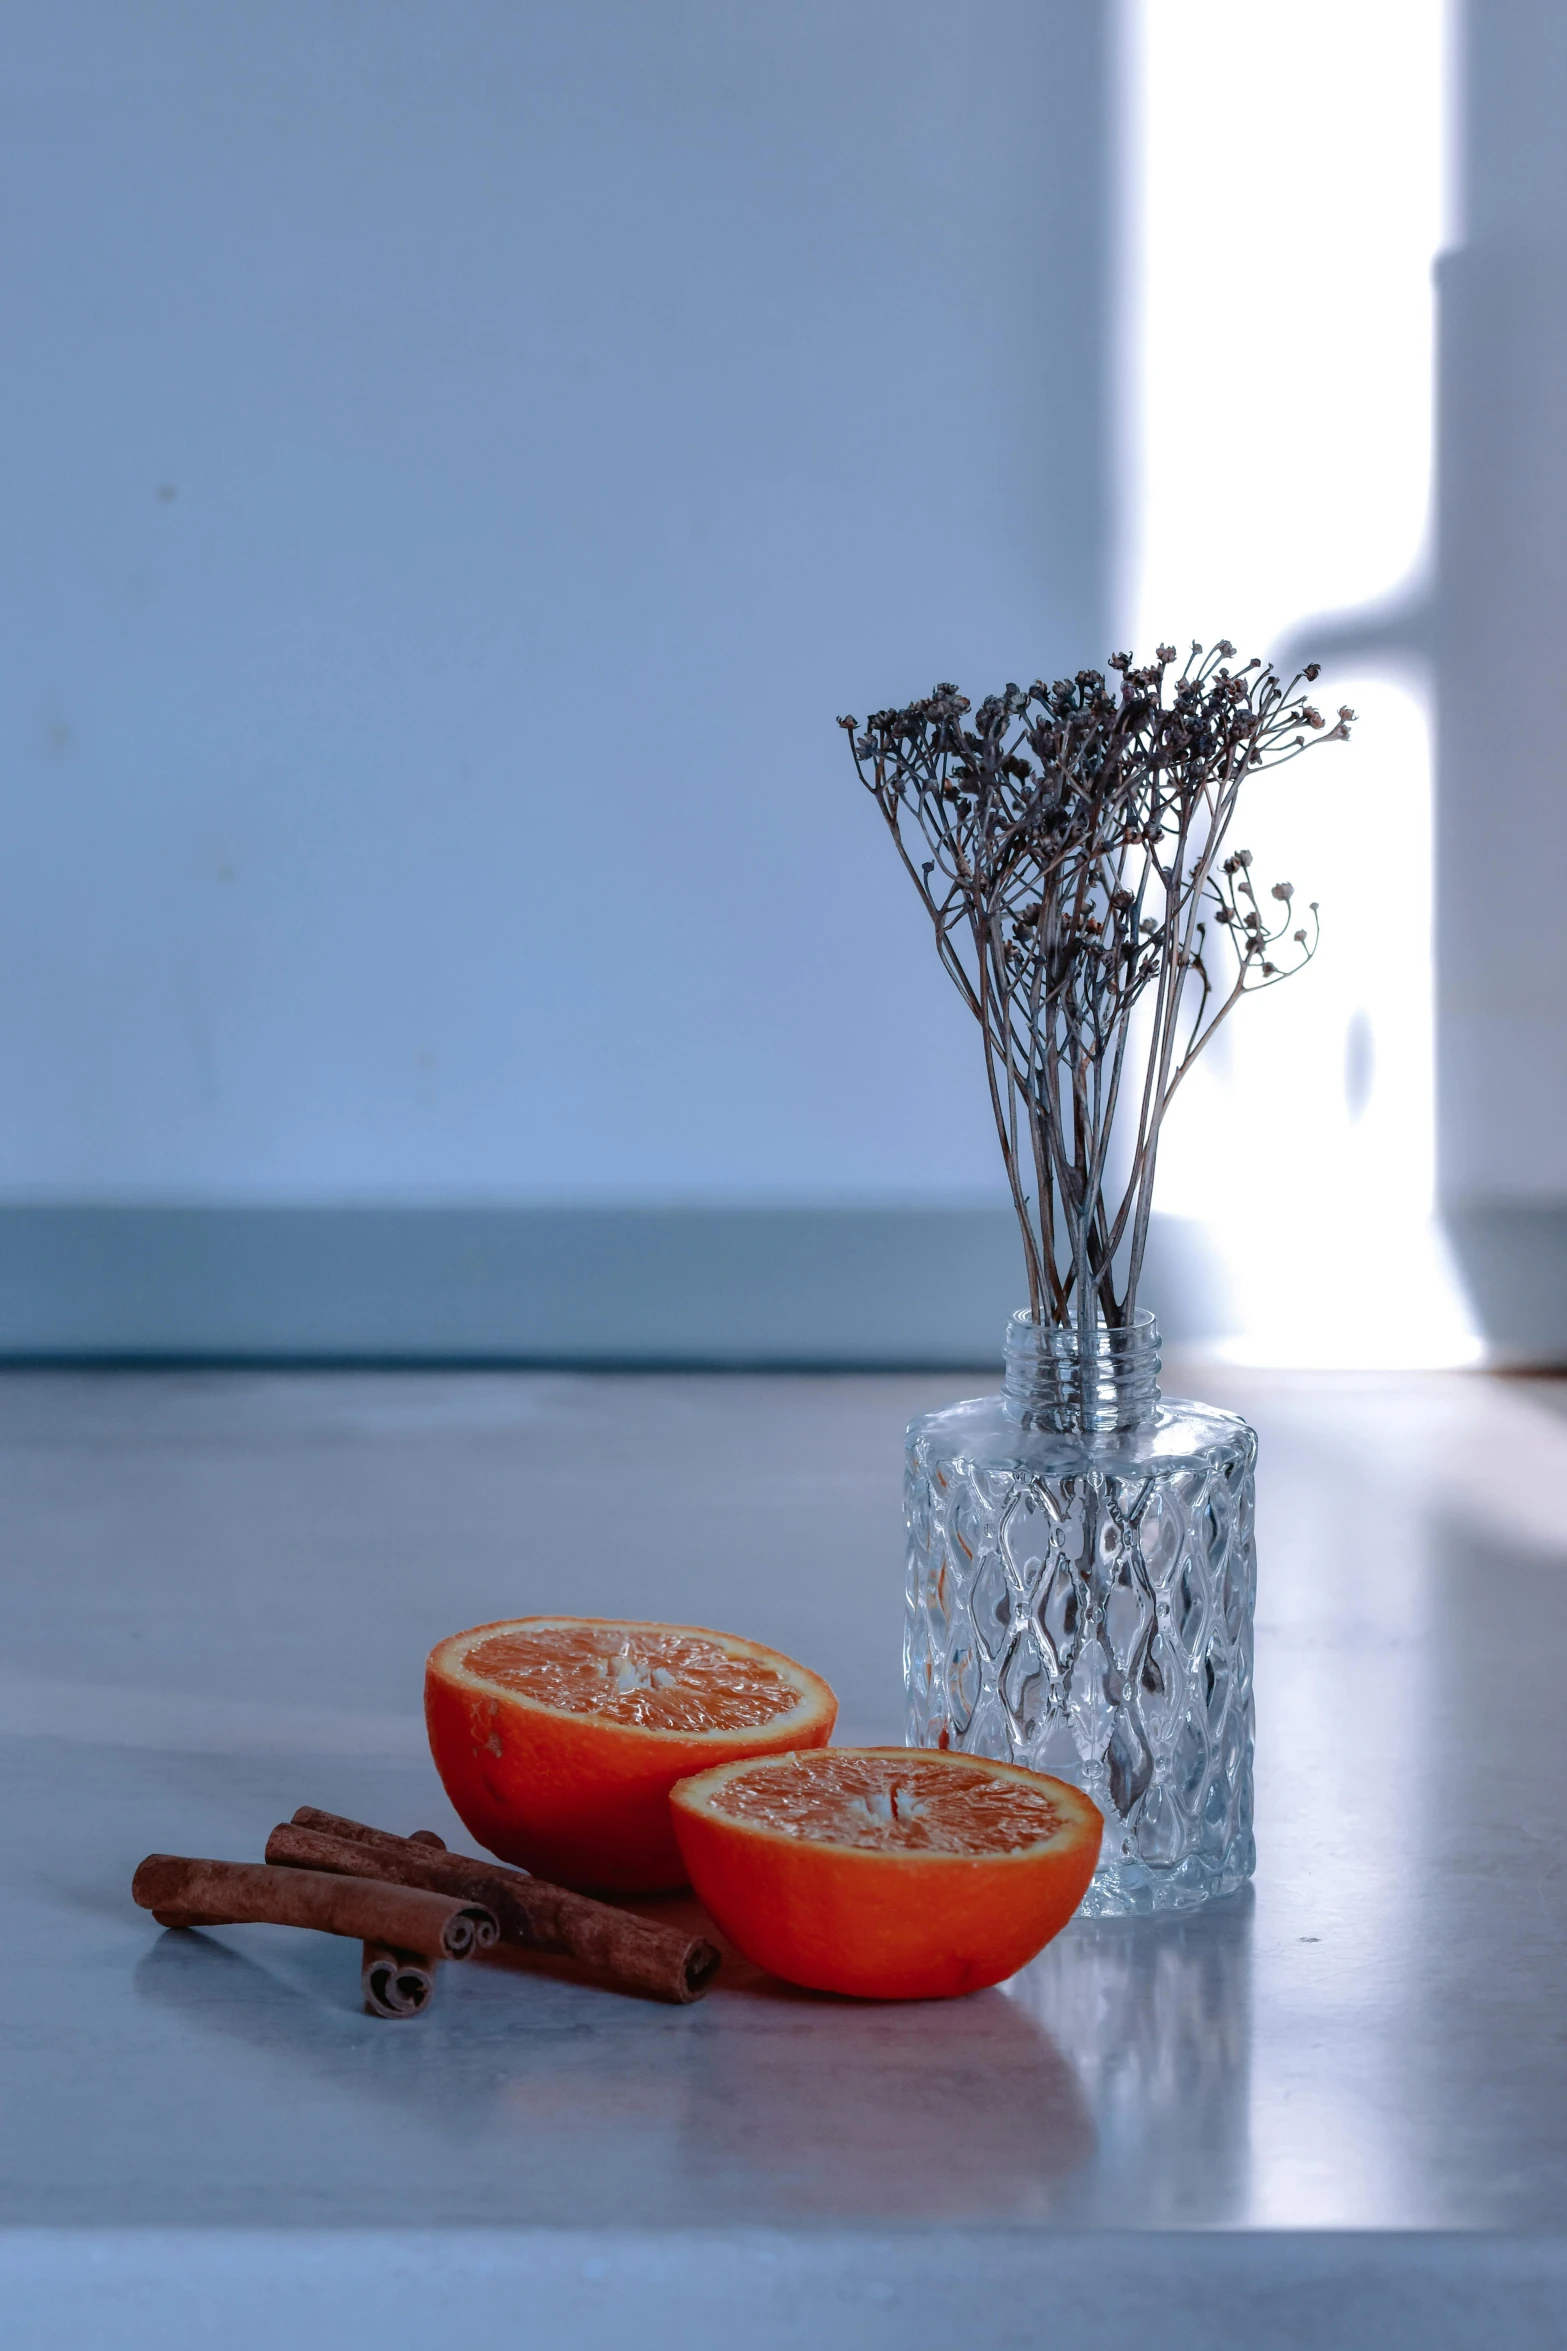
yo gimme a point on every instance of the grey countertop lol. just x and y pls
(1344, 2093)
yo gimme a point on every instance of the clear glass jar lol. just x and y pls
(1081, 1588)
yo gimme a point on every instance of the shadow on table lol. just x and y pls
(544, 2097)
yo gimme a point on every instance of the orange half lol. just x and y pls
(558, 1738)
(889, 1872)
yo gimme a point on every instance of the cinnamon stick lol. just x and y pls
(181, 1892)
(632, 1953)
(396, 1983)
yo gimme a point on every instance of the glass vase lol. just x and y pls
(1081, 1588)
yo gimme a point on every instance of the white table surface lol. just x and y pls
(1333, 2110)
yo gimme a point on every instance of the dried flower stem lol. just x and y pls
(1067, 844)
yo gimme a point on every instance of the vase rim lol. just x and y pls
(1144, 1323)
(1099, 1383)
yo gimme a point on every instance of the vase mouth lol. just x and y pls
(1059, 1376)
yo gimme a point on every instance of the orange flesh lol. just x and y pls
(887, 1804)
(654, 1680)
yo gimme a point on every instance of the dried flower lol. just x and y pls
(1071, 837)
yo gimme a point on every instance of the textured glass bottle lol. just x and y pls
(1082, 1575)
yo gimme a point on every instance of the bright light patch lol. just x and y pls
(1285, 202)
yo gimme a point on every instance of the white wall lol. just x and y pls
(1503, 619)
(459, 461)
(1500, 629)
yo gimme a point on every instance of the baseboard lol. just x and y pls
(1512, 1256)
(827, 1286)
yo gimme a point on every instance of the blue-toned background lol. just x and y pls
(459, 464)
(459, 461)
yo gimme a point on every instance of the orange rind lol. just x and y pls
(886, 1872)
(558, 1738)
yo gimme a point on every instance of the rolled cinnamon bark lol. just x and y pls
(632, 1953)
(396, 1984)
(183, 1893)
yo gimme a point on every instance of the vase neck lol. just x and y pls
(1059, 1377)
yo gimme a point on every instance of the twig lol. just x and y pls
(1067, 841)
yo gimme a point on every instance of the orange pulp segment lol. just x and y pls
(915, 1805)
(656, 1676)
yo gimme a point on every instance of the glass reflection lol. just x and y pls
(1155, 2017)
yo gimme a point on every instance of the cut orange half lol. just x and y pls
(558, 1738)
(889, 1872)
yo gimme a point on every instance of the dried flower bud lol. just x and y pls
(1311, 672)
(1284, 891)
